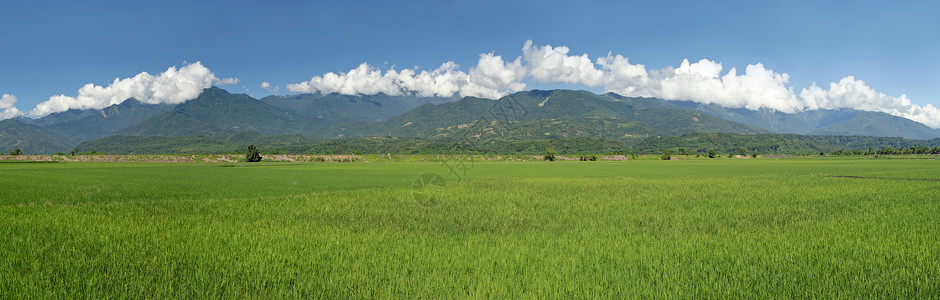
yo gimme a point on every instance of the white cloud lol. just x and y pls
(7, 103)
(624, 77)
(704, 82)
(362, 80)
(494, 77)
(490, 78)
(172, 86)
(852, 93)
(225, 81)
(547, 64)
(267, 87)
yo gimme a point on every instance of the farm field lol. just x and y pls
(788, 228)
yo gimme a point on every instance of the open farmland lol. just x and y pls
(786, 228)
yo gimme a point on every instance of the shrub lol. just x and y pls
(252, 154)
(667, 154)
(16, 151)
(549, 155)
(712, 154)
(591, 157)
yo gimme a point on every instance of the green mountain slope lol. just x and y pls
(701, 143)
(318, 110)
(544, 114)
(566, 120)
(107, 121)
(823, 121)
(221, 109)
(60, 117)
(29, 139)
(879, 124)
(120, 144)
(219, 141)
(172, 123)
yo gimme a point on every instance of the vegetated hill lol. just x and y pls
(823, 121)
(299, 145)
(95, 123)
(230, 141)
(172, 123)
(216, 109)
(208, 140)
(221, 109)
(29, 139)
(521, 121)
(879, 124)
(543, 114)
(120, 144)
(59, 117)
(318, 110)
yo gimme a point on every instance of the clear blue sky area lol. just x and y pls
(55, 47)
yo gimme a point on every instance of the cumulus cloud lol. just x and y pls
(9, 111)
(267, 87)
(548, 64)
(175, 85)
(705, 82)
(491, 78)
(853, 93)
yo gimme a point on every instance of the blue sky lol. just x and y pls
(50, 48)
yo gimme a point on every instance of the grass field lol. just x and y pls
(696, 228)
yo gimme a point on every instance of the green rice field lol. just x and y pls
(721, 228)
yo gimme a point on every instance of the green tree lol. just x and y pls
(549, 155)
(16, 151)
(712, 154)
(667, 155)
(252, 155)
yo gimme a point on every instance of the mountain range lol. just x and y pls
(225, 120)
(821, 122)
